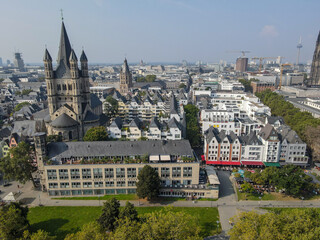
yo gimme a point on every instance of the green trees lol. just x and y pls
(96, 134)
(247, 84)
(306, 126)
(91, 230)
(182, 85)
(111, 107)
(129, 212)
(13, 221)
(277, 225)
(247, 187)
(110, 214)
(18, 164)
(148, 78)
(148, 184)
(193, 129)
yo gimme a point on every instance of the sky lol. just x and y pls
(160, 30)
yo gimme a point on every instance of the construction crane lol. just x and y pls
(263, 58)
(240, 51)
(281, 71)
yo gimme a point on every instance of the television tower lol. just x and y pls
(299, 46)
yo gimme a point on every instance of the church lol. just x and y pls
(72, 109)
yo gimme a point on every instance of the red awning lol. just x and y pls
(256, 163)
(223, 163)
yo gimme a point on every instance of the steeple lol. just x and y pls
(64, 47)
(48, 64)
(47, 56)
(83, 57)
(318, 40)
(84, 64)
(125, 67)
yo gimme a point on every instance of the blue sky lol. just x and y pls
(160, 30)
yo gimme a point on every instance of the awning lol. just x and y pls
(154, 158)
(165, 158)
(271, 164)
(252, 163)
(223, 163)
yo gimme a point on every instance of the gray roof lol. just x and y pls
(173, 105)
(41, 115)
(47, 56)
(173, 123)
(64, 121)
(73, 56)
(136, 122)
(5, 132)
(273, 119)
(95, 101)
(220, 136)
(117, 122)
(26, 128)
(267, 131)
(90, 116)
(60, 150)
(83, 57)
(286, 133)
(250, 139)
(64, 47)
(155, 123)
(125, 67)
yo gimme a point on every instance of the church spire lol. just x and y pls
(125, 67)
(64, 47)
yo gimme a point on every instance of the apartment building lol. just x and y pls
(112, 167)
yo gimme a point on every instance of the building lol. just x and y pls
(241, 64)
(125, 78)
(112, 167)
(261, 86)
(315, 67)
(18, 61)
(71, 111)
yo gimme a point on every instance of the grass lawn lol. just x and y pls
(266, 197)
(59, 221)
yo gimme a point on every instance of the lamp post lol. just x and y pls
(217, 224)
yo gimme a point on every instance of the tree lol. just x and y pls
(18, 164)
(277, 225)
(92, 231)
(20, 105)
(39, 235)
(110, 214)
(193, 128)
(148, 184)
(247, 174)
(26, 91)
(129, 212)
(111, 106)
(158, 225)
(182, 85)
(151, 78)
(13, 221)
(96, 134)
(54, 138)
(247, 187)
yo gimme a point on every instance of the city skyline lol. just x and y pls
(161, 30)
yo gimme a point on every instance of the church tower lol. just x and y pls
(125, 78)
(69, 100)
(315, 67)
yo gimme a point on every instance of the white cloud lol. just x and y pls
(269, 31)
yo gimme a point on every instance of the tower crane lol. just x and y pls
(281, 71)
(263, 58)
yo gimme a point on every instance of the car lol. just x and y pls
(6, 184)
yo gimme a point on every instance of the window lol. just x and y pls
(75, 185)
(165, 172)
(86, 173)
(63, 174)
(87, 184)
(131, 183)
(98, 184)
(176, 172)
(52, 174)
(97, 173)
(187, 171)
(120, 173)
(64, 185)
(132, 172)
(53, 185)
(75, 173)
(121, 183)
(108, 172)
(109, 183)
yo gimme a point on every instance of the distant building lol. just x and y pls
(18, 61)
(0, 62)
(261, 86)
(315, 67)
(241, 64)
(125, 78)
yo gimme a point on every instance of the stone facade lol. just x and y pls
(315, 67)
(125, 78)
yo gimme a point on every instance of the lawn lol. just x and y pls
(59, 221)
(265, 197)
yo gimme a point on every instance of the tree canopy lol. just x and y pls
(277, 225)
(148, 184)
(306, 126)
(96, 134)
(247, 84)
(21, 105)
(18, 164)
(193, 128)
(110, 214)
(148, 78)
(111, 107)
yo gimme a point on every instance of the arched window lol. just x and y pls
(58, 87)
